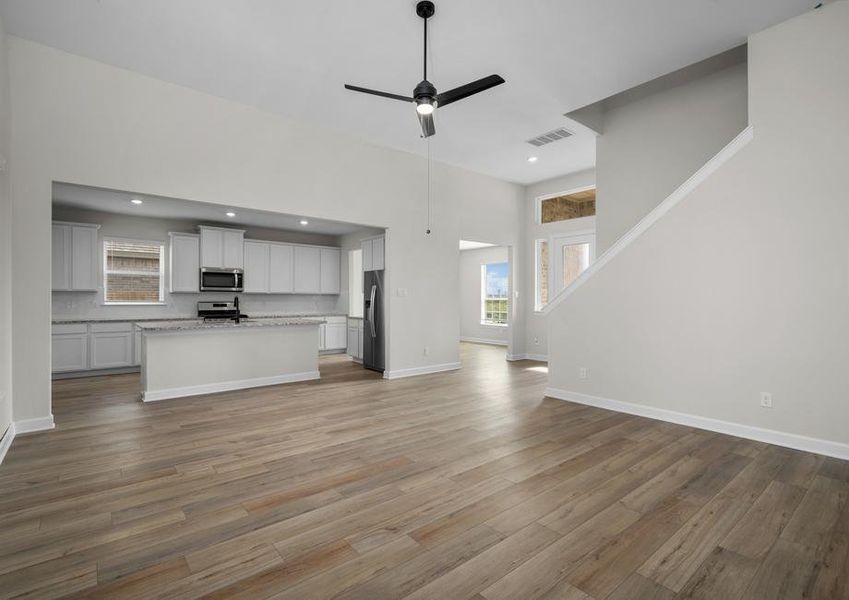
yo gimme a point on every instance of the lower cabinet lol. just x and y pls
(355, 339)
(112, 345)
(92, 346)
(332, 334)
(70, 348)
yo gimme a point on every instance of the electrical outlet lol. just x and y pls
(766, 400)
(426, 351)
(583, 373)
(536, 341)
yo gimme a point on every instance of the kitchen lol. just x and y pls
(234, 300)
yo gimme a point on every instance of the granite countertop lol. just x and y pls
(78, 320)
(193, 324)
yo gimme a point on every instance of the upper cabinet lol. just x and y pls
(74, 257)
(279, 268)
(221, 248)
(330, 271)
(307, 270)
(373, 254)
(281, 265)
(185, 262)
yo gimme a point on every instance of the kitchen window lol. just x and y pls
(494, 297)
(133, 271)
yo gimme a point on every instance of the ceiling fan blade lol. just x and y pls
(377, 93)
(426, 121)
(464, 91)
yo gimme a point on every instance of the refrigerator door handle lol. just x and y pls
(371, 311)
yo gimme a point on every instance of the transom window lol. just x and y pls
(568, 206)
(132, 271)
(494, 297)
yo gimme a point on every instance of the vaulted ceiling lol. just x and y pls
(292, 57)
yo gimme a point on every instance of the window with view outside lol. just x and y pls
(494, 298)
(576, 259)
(132, 271)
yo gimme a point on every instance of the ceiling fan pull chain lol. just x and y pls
(427, 140)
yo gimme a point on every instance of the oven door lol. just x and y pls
(221, 280)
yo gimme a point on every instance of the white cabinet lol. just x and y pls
(268, 268)
(74, 257)
(91, 346)
(307, 270)
(373, 254)
(280, 269)
(221, 248)
(330, 270)
(256, 267)
(355, 339)
(185, 262)
(111, 345)
(332, 335)
(69, 348)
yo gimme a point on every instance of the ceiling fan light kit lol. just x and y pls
(425, 95)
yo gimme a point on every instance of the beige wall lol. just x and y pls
(470, 295)
(85, 122)
(5, 247)
(655, 136)
(743, 286)
(534, 335)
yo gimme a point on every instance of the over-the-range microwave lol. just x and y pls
(221, 280)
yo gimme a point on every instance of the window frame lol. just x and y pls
(162, 259)
(538, 306)
(483, 321)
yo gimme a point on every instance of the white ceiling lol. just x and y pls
(91, 198)
(292, 57)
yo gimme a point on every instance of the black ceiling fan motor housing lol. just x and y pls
(425, 9)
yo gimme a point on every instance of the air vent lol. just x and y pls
(551, 136)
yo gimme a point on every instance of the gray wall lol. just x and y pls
(80, 121)
(656, 136)
(743, 286)
(470, 295)
(5, 248)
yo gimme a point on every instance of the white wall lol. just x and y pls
(67, 305)
(654, 138)
(5, 247)
(535, 333)
(470, 295)
(743, 286)
(79, 121)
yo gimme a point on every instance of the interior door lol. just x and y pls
(572, 255)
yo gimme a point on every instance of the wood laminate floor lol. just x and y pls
(458, 485)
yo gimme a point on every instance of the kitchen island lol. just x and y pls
(191, 357)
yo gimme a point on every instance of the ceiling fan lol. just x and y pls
(425, 95)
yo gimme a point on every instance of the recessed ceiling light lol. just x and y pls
(230, 214)
(136, 201)
(532, 159)
(304, 222)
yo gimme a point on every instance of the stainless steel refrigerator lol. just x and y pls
(374, 353)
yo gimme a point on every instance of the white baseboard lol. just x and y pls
(399, 373)
(536, 357)
(33, 425)
(475, 340)
(227, 386)
(94, 373)
(6, 441)
(770, 436)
